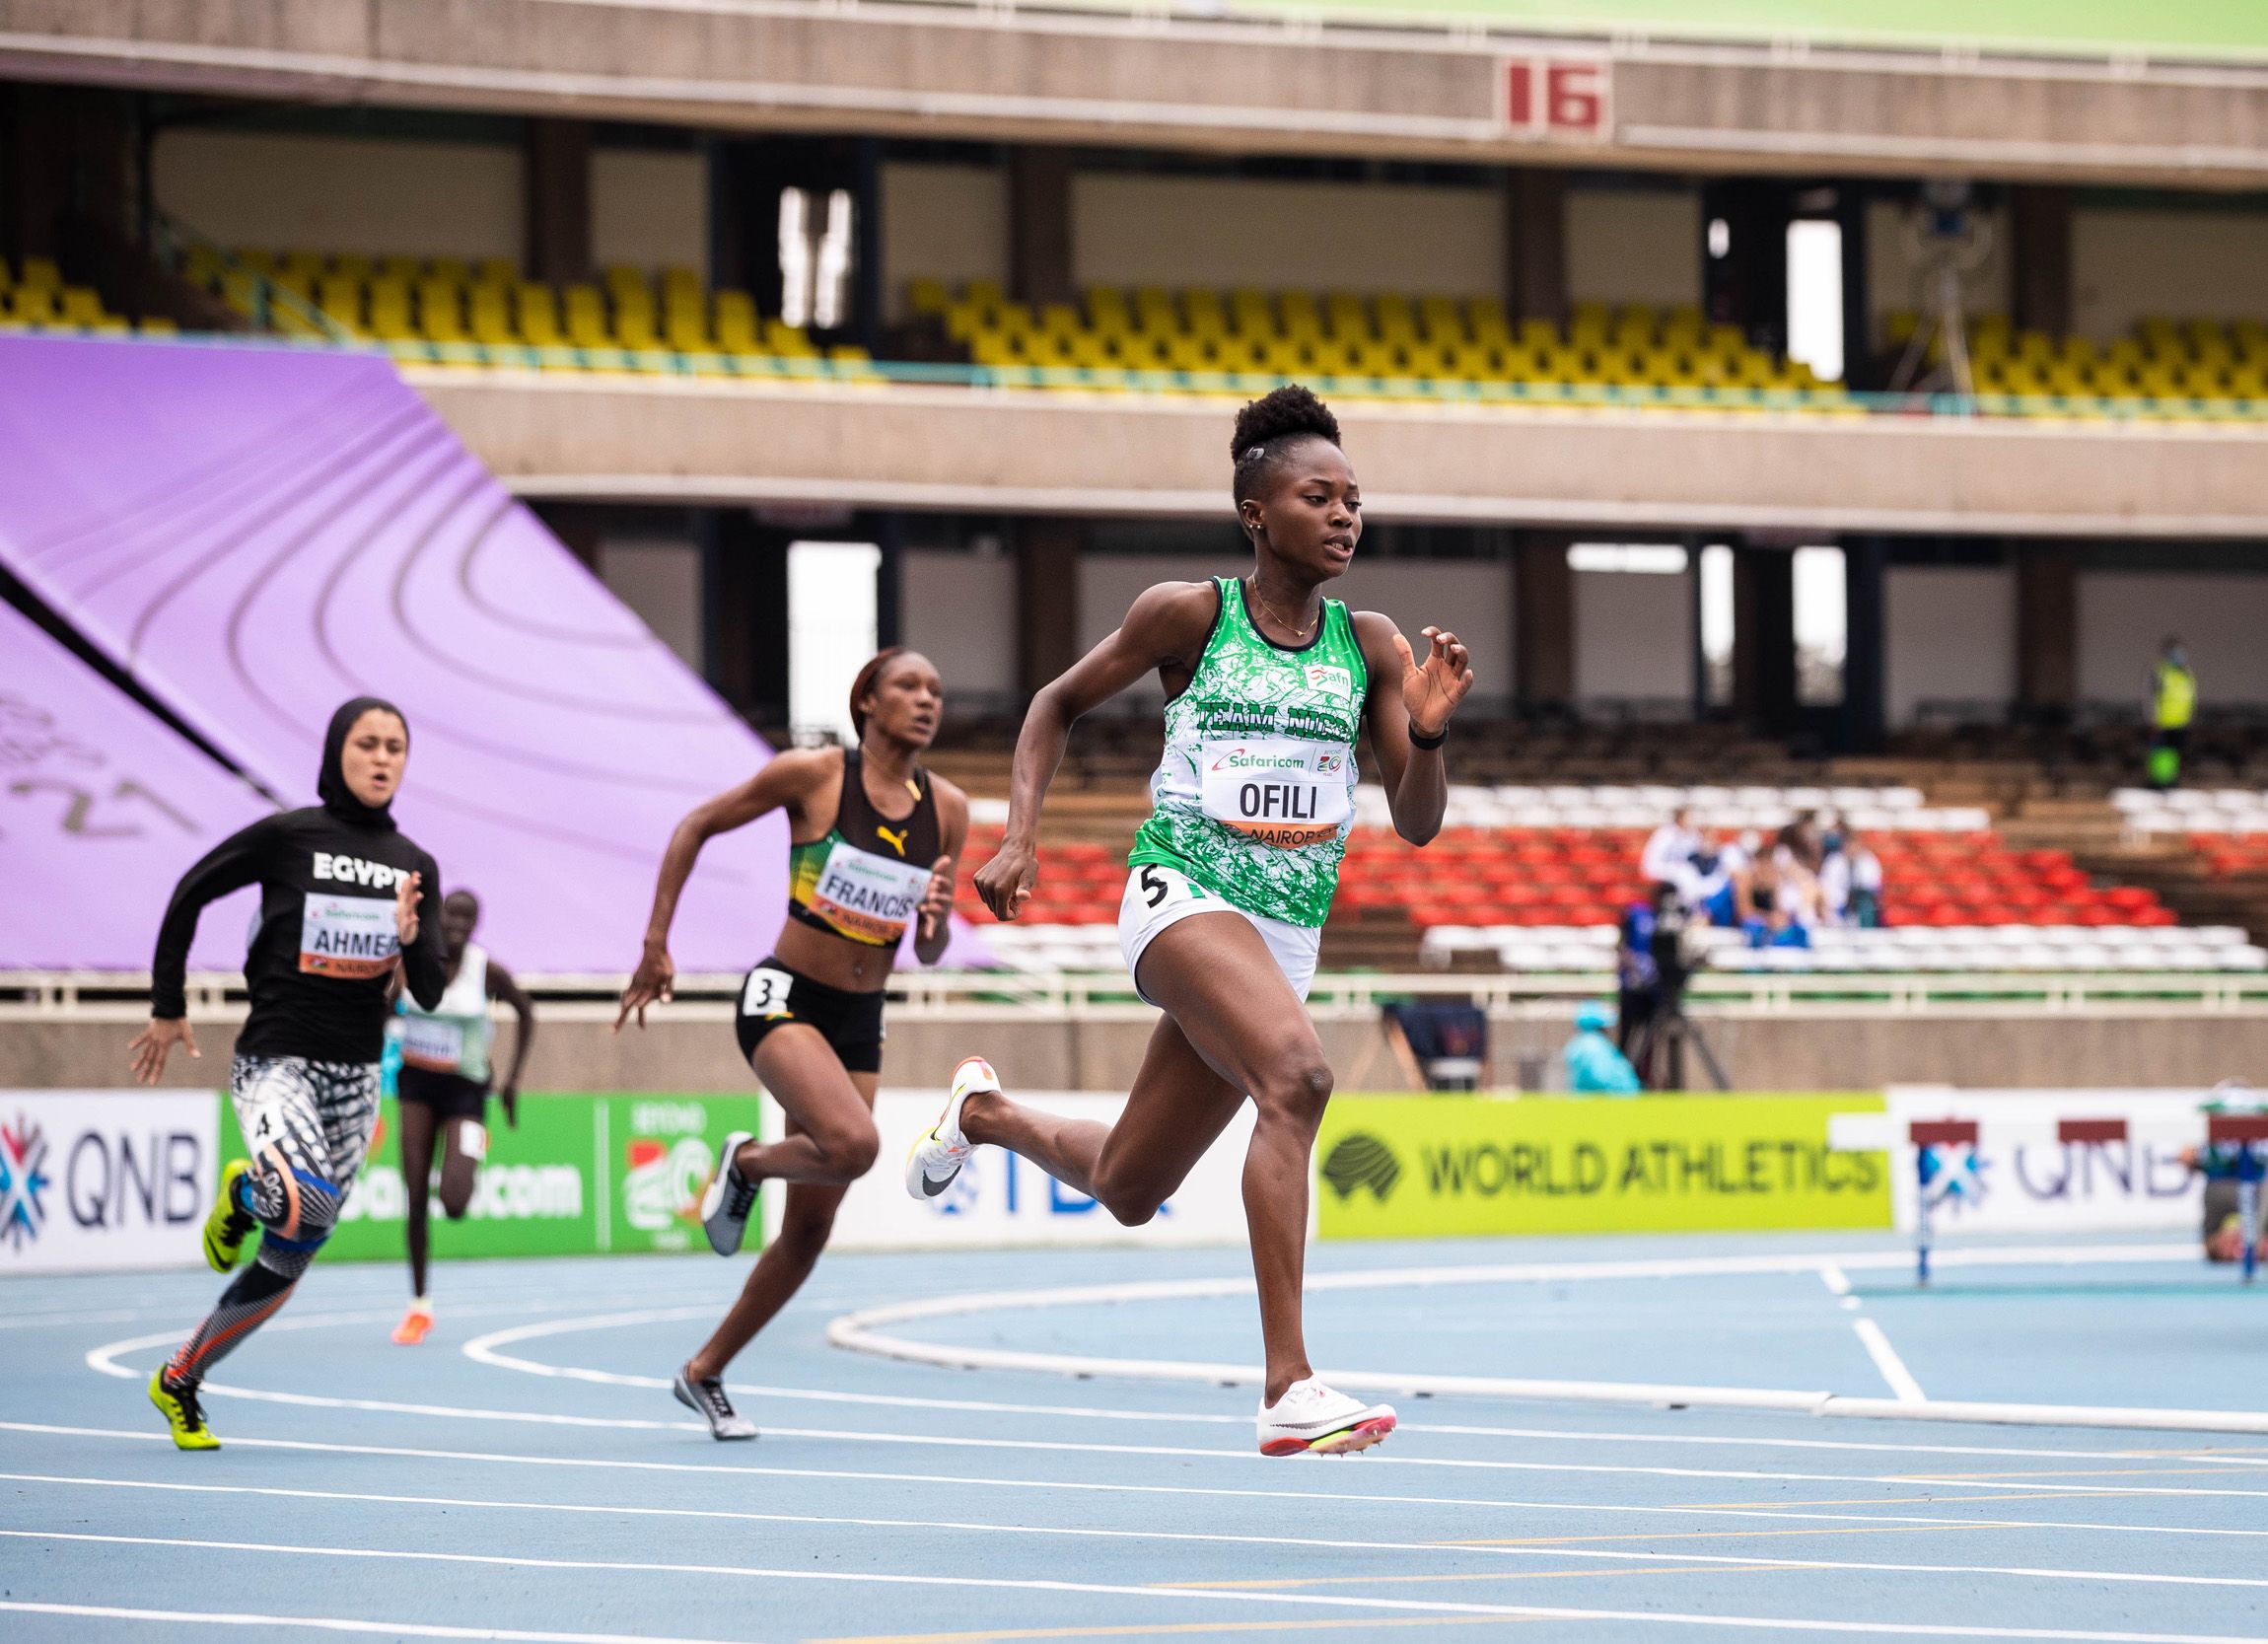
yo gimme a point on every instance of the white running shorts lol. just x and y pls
(1158, 896)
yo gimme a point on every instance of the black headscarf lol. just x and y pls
(331, 786)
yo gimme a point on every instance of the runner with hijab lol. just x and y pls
(345, 898)
(1269, 686)
(441, 1093)
(873, 837)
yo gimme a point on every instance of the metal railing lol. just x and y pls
(113, 995)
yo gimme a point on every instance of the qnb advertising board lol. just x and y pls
(1439, 1166)
(999, 1199)
(2027, 1182)
(93, 1180)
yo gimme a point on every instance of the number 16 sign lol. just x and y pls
(1557, 96)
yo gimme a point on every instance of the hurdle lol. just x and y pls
(1945, 1164)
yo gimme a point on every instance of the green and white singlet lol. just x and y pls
(1254, 798)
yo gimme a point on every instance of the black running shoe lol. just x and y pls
(707, 1400)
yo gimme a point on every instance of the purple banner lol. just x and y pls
(101, 805)
(257, 534)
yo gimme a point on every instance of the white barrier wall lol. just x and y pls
(2059, 1186)
(1949, 634)
(94, 1179)
(2124, 615)
(393, 197)
(959, 609)
(1000, 1199)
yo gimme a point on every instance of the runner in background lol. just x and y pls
(873, 840)
(442, 1088)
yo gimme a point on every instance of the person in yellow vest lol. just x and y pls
(2172, 705)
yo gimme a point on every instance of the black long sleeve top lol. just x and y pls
(326, 942)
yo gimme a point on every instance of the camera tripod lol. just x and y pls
(1669, 1030)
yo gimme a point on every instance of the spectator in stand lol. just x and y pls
(1785, 892)
(1707, 883)
(1866, 871)
(1670, 848)
(2172, 705)
(1594, 1066)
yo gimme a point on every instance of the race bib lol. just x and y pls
(868, 896)
(1275, 791)
(432, 1043)
(347, 936)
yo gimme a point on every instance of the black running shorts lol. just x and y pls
(774, 996)
(449, 1095)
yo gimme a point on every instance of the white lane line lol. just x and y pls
(1121, 1590)
(43, 1320)
(1090, 1486)
(486, 1350)
(951, 1441)
(340, 1623)
(1838, 1281)
(859, 1333)
(1887, 1360)
(1604, 1555)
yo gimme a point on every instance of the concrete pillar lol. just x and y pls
(1535, 244)
(1544, 623)
(1039, 225)
(2040, 236)
(556, 213)
(1747, 286)
(1864, 723)
(1858, 364)
(1764, 638)
(1047, 600)
(2046, 630)
(745, 589)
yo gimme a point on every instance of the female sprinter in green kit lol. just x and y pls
(1269, 686)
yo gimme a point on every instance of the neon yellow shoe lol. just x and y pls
(178, 1405)
(226, 1226)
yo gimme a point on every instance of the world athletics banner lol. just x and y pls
(1446, 1166)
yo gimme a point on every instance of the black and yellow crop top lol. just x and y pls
(864, 881)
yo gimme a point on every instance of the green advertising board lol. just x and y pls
(578, 1175)
(1446, 1165)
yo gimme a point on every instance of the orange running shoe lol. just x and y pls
(414, 1324)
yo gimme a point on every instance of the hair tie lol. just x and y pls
(1253, 454)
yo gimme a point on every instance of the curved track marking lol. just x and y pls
(858, 1332)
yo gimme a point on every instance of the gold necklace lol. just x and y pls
(1297, 632)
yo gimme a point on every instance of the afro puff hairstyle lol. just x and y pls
(1267, 426)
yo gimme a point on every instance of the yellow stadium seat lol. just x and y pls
(490, 316)
(586, 317)
(158, 325)
(451, 268)
(408, 270)
(927, 296)
(440, 309)
(79, 306)
(734, 315)
(339, 296)
(259, 259)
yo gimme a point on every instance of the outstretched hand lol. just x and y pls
(405, 909)
(652, 982)
(937, 901)
(1432, 690)
(1006, 882)
(152, 1045)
